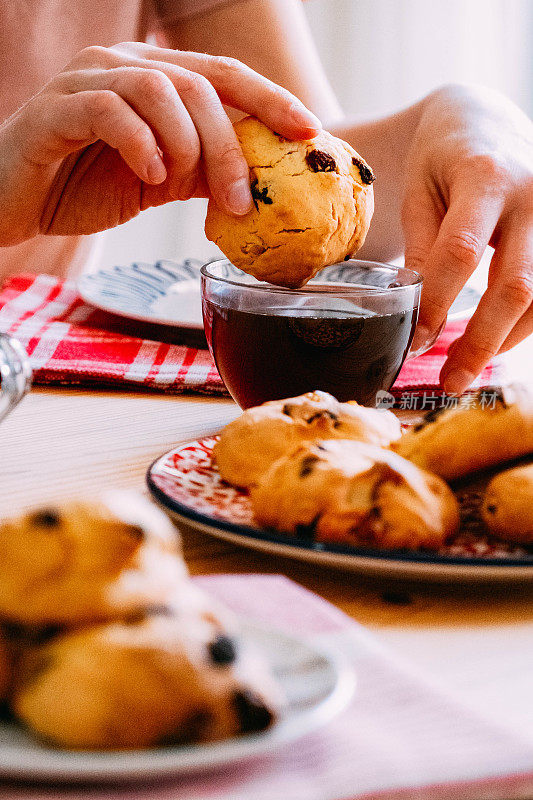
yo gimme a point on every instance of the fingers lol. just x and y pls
(461, 241)
(522, 329)
(72, 121)
(239, 87)
(153, 97)
(226, 169)
(205, 82)
(504, 312)
(172, 102)
(188, 120)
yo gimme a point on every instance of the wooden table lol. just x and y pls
(477, 640)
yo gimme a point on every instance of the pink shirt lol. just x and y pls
(37, 39)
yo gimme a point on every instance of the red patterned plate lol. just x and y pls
(189, 488)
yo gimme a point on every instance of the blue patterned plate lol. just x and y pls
(168, 293)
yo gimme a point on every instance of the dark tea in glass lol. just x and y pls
(346, 332)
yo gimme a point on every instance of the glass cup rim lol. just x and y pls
(345, 289)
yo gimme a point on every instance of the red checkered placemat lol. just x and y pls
(71, 343)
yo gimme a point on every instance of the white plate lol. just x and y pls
(317, 682)
(189, 488)
(168, 293)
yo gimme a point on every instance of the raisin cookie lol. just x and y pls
(494, 427)
(85, 561)
(313, 202)
(251, 443)
(507, 508)
(358, 494)
(162, 678)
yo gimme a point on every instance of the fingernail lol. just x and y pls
(156, 170)
(188, 187)
(422, 335)
(457, 380)
(302, 116)
(239, 197)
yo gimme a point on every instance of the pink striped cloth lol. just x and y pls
(72, 343)
(400, 738)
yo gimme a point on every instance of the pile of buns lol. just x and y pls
(105, 643)
(339, 472)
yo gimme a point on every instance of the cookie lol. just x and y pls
(84, 561)
(313, 202)
(493, 427)
(163, 678)
(353, 493)
(250, 444)
(507, 508)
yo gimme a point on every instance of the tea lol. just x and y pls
(272, 353)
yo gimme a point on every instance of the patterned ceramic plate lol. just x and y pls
(185, 484)
(165, 293)
(317, 682)
(168, 293)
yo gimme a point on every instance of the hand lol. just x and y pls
(128, 127)
(469, 184)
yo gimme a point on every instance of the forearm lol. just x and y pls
(385, 143)
(286, 54)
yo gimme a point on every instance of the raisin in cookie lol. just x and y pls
(313, 202)
(250, 444)
(507, 508)
(81, 561)
(358, 494)
(162, 678)
(495, 426)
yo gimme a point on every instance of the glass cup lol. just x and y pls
(15, 374)
(347, 332)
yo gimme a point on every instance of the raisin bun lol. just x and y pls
(507, 508)
(313, 202)
(485, 429)
(357, 494)
(163, 677)
(251, 443)
(79, 562)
